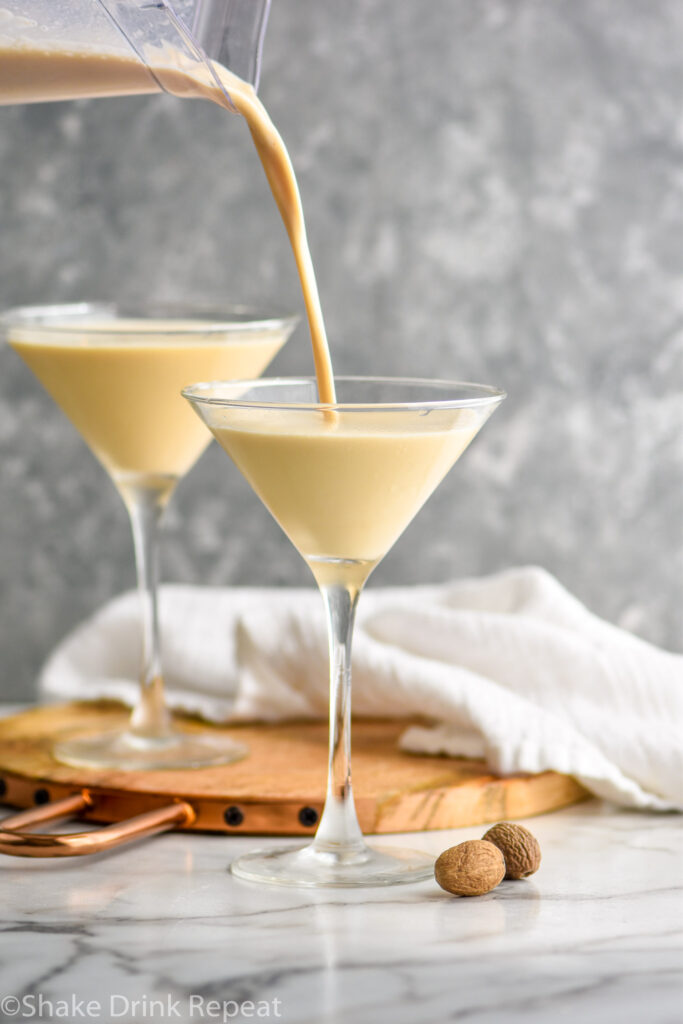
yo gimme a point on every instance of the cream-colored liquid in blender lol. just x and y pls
(344, 494)
(32, 75)
(121, 388)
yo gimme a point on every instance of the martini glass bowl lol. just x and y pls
(117, 374)
(343, 481)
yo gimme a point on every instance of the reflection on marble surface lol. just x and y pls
(595, 936)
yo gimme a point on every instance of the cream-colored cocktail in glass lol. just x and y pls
(343, 481)
(118, 376)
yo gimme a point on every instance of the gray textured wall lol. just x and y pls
(494, 190)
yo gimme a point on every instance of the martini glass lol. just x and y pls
(343, 481)
(117, 374)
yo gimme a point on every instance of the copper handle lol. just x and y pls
(19, 843)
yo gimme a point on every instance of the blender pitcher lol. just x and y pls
(69, 49)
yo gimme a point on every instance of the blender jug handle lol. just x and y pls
(230, 31)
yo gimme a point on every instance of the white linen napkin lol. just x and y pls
(508, 667)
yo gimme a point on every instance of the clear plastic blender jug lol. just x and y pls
(41, 41)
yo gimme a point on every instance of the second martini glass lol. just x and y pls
(343, 481)
(117, 374)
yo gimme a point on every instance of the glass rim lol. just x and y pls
(226, 319)
(482, 394)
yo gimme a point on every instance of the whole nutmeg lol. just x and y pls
(470, 869)
(519, 847)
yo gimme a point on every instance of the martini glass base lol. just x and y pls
(311, 868)
(126, 751)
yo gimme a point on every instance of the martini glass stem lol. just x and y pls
(339, 833)
(146, 504)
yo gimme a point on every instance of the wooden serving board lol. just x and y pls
(279, 788)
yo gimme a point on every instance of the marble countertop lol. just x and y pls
(595, 936)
